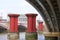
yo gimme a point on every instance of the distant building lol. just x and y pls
(22, 20)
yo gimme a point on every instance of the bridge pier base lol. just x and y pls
(13, 36)
(31, 33)
(31, 36)
(13, 32)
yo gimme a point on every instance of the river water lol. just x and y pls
(21, 36)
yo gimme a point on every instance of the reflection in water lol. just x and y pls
(3, 37)
(21, 36)
(41, 37)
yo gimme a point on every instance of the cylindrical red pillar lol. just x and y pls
(16, 24)
(13, 22)
(31, 22)
(13, 35)
(31, 33)
(40, 26)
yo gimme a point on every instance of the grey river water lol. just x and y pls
(21, 36)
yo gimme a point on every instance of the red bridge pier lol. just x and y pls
(40, 27)
(31, 33)
(13, 34)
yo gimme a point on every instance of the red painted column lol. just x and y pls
(31, 22)
(40, 26)
(16, 24)
(31, 33)
(13, 22)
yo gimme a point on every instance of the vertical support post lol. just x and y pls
(13, 35)
(40, 27)
(31, 33)
(40, 31)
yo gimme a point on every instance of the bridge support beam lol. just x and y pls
(52, 35)
(13, 34)
(31, 33)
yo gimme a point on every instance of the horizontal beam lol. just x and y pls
(52, 34)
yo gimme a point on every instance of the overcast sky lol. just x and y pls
(16, 6)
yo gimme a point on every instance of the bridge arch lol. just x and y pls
(49, 11)
(2, 28)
